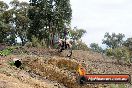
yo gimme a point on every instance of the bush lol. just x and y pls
(80, 46)
(43, 43)
(119, 53)
(96, 48)
(6, 52)
(28, 44)
(36, 43)
(109, 52)
(122, 53)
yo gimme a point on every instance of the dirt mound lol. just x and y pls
(56, 69)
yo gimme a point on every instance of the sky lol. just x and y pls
(100, 16)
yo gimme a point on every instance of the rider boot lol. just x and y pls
(63, 45)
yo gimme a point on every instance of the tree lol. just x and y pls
(76, 33)
(19, 19)
(81, 46)
(122, 52)
(114, 40)
(48, 18)
(4, 24)
(128, 43)
(96, 48)
(3, 6)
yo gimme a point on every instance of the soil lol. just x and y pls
(45, 68)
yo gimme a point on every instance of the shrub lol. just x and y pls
(96, 48)
(43, 43)
(109, 52)
(119, 53)
(80, 46)
(36, 43)
(6, 52)
(122, 53)
(28, 44)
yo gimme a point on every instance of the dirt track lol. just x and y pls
(45, 69)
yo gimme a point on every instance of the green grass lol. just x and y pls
(11, 63)
(5, 52)
(121, 86)
(117, 86)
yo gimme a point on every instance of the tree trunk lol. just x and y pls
(49, 35)
(53, 39)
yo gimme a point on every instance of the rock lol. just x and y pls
(17, 62)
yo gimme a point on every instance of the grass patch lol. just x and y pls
(6, 52)
(117, 86)
(11, 63)
(121, 86)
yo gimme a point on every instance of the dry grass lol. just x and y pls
(50, 71)
(63, 63)
(11, 82)
(54, 70)
(58, 69)
(12, 77)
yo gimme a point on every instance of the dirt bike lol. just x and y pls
(65, 48)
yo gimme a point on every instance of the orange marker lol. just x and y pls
(81, 70)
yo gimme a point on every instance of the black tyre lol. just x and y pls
(69, 50)
(82, 80)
